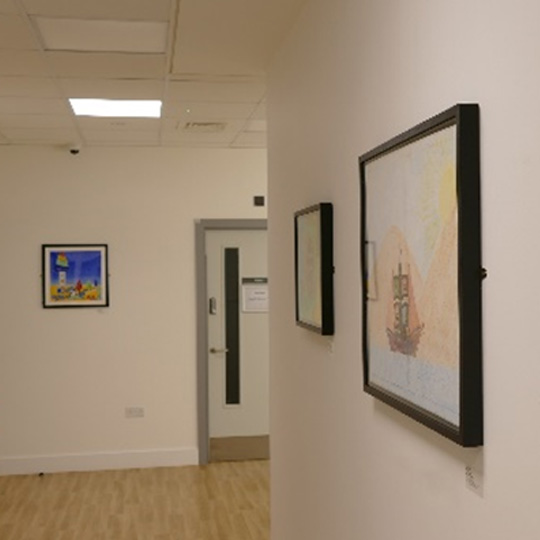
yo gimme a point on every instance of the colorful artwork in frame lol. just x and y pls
(75, 275)
(420, 234)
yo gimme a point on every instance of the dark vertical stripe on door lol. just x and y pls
(232, 326)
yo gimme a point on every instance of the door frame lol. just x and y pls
(202, 226)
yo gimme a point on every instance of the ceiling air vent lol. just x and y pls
(204, 127)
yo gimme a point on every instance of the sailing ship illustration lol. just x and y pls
(407, 329)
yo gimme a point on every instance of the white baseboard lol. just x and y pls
(134, 459)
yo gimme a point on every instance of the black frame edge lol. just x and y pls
(326, 211)
(43, 281)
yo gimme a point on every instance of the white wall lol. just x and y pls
(66, 375)
(353, 74)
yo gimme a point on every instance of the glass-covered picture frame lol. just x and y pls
(422, 274)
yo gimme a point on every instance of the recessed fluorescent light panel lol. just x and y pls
(117, 108)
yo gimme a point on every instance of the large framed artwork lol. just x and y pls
(422, 274)
(75, 275)
(314, 268)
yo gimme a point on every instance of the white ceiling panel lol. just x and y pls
(250, 139)
(91, 35)
(112, 88)
(15, 105)
(108, 66)
(190, 111)
(29, 121)
(7, 6)
(255, 126)
(200, 139)
(233, 37)
(28, 63)
(40, 136)
(15, 34)
(110, 136)
(220, 92)
(193, 144)
(135, 10)
(260, 112)
(119, 124)
(27, 87)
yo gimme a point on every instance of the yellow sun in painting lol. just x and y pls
(447, 193)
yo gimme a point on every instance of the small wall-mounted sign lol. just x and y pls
(255, 295)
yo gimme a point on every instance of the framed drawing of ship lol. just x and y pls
(420, 237)
(314, 268)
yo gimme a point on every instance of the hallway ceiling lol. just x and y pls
(205, 59)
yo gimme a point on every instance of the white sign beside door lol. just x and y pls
(255, 295)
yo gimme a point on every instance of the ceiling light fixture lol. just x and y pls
(116, 108)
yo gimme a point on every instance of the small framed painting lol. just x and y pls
(75, 275)
(420, 246)
(314, 268)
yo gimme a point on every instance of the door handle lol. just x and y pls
(213, 350)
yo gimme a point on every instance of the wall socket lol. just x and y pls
(134, 412)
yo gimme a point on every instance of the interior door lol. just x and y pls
(238, 368)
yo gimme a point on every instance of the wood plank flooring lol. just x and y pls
(220, 501)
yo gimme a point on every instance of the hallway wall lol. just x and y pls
(352, 74)
(67, 375)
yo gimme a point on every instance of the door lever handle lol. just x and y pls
(213, 350)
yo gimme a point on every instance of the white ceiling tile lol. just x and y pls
(108, 66)
(111, 136)
(112, 88)
(36, 120)
(233, 37)
(255, 126)
(216, 92)
(135, 10)
(91, 35)
(260, 112)
(207, 111)
(14, 105)
(120, 124)
(15, 34)
(193, 144)
(28, 63)
(27, 87)
(224, 138)
(7, 6)
(39, 135)
(251, 139)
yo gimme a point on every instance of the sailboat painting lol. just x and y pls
(413, 323)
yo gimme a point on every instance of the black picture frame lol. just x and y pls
(422, 274)
(75, 275)
(314, 268)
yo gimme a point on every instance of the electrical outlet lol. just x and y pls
(134, 412)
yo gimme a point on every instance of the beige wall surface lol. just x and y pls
(351, 75)
(67, 375)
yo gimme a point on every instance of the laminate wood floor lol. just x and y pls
(220, 501)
